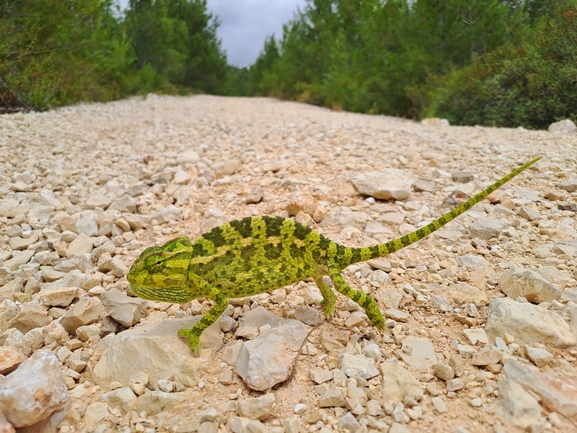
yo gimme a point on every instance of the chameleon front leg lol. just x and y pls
(365, 301)
(220, 304)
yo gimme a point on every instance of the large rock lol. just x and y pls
(555, 394)
(34, 391)
(398, 383)
(267, 359)
(157, 350)
(516, 405)
(528, 323)
(517, 281)
(386, 184)
(565, 126)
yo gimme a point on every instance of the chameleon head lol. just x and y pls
(160, 273)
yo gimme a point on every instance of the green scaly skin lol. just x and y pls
(260, 254)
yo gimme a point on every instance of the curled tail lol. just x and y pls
(363, 254)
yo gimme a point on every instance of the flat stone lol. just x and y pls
(58, 296)
(98, 201)
(385, 184)
(462, 177)
(463, 293)
(476, 335)
(418, 352)
(158, 351)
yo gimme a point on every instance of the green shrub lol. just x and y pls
(531, 85)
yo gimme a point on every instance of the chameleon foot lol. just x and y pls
(193, 339)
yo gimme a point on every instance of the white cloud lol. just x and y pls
(245, 24)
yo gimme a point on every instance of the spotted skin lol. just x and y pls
(260, 254)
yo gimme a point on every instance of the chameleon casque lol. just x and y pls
(260, 254)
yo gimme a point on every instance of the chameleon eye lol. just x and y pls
(158, 262)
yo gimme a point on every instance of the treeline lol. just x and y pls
(57, 52)
(506, 63)
(490, 62)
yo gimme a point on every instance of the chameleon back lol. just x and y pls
(258, 254)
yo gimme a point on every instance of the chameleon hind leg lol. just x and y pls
(329, 299)
(365, 301)
(220, 304)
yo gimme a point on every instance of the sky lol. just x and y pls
(245, 24)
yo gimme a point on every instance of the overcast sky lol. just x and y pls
(245, 24)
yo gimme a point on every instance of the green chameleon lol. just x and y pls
(260, 254)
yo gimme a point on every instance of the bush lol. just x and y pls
(531, 85)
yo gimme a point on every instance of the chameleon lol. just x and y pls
(259, 254)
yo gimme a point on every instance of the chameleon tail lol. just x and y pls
(363, 254)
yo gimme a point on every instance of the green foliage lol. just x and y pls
(379, 56)
(530, 85)
(177, 40)
(54, 52)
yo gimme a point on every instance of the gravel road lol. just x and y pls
(481, 316)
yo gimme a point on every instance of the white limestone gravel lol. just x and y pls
(84, 189)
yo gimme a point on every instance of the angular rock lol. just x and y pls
(385, 184)
(555, 394)
(528, 323)
(125, 310)
(122, 398)
(333, 397)
(565, 126)
(86, 311)
(463, 293)
(258, 408)
(462, 177)
(487, 227)
(98, 201)
(157, 350)
(267, 360)
(32, 315)
(397, 383)
(58, 296)
(33, 391)
(357, 366)
(529, 284)
(516, 405)
(476, 335)
(10, 359)
(538, 356)
(487, 357)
